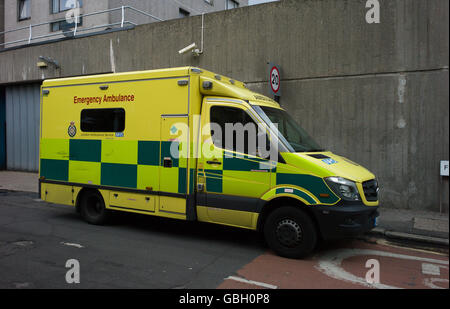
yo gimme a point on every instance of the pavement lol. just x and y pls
(413, 225)
(401, 224)
(19, 181)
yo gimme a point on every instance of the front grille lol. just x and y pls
(371, 190)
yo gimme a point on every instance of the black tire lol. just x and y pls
(290, 232)
(92, 207)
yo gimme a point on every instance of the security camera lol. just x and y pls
(187, 49)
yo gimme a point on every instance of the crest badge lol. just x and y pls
(72, 130)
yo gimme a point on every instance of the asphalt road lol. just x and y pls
(135, 251)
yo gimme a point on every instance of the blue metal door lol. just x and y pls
(2, 129)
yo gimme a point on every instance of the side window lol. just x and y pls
(24, 9)
(64, 5)
(103, 120)
(63, 25)
(233, 129)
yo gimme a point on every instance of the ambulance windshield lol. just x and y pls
(289, 132)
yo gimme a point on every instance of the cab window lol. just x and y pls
(233, 129)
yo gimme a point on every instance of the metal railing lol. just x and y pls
(76, 29)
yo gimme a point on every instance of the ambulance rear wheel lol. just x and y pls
(92, 207)
(290, 232)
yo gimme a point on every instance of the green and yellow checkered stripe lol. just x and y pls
(126, 164)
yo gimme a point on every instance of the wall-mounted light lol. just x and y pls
(46, 61)
(207, 85)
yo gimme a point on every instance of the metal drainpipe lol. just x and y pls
(29, 38)
(123, 17)
(203, 27)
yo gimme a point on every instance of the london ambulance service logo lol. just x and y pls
(72, 130)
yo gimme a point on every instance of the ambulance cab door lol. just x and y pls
(234, 179)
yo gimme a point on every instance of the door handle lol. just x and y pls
(214, 162)
(167, 162)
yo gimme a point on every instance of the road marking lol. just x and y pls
(430, 269)
(71, 244)
(23, 243)
(429, 282)
(261, 284)
(22, 285)
(330, 265)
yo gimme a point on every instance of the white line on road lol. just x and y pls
(430, 269)
(71, 244)
(261, 284)
(330, 265)
(430, 282)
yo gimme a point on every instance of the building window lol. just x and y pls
(232, 4)
(24, 9)
(103, 120)
(64, 5)
(210, 2)
(183, 13)
(64, 25)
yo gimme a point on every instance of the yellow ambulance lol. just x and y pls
(148, 142)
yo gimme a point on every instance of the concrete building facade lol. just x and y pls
(2, 20)
(374, 93)
(23, 13)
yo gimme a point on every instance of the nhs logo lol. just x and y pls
(329, 161)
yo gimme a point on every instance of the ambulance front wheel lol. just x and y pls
(92, 207)
(290, 232)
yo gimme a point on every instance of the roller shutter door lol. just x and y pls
(22, 127)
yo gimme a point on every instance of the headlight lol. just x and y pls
(344, 188)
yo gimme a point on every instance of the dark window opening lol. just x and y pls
(183, 13)
(24, 9)
(65, 26)
(64, 5)
(232, 4)
(103, 120)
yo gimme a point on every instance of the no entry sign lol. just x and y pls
(274, 79)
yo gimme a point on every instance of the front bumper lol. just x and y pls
(345, 219)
